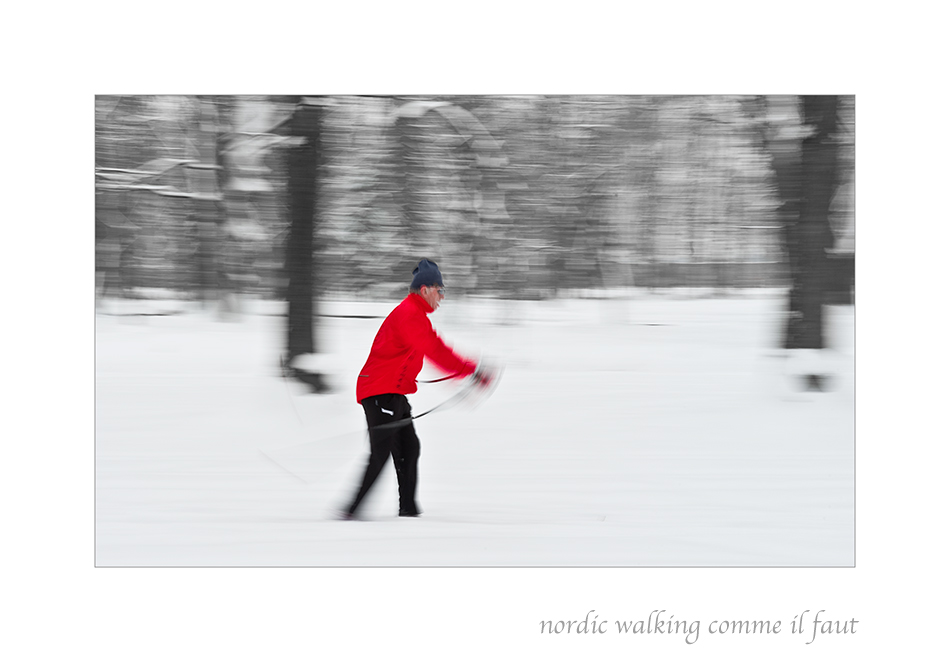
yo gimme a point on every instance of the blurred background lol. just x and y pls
(669, 278)
(215, 198)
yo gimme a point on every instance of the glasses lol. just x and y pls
(440, 290)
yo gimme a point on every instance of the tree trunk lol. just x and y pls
(804, 158)
(811, 235)
(206, 209)
(302, 170)
(302, 165)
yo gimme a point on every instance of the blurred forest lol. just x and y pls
(514, 196)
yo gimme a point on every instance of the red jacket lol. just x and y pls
(404, 339)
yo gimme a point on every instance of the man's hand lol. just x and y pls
(484, 376)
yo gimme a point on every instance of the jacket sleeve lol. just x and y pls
(427, 341)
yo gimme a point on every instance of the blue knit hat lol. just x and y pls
(427, 273)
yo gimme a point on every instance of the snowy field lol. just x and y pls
(652, 430)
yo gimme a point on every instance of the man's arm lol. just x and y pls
(432, 346)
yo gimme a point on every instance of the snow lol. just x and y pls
(642, 430)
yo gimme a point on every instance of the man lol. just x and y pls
(389, 375)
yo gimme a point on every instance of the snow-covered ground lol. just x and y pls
(647, 430)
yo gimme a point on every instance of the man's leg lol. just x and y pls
(380, 446)
(406, 458)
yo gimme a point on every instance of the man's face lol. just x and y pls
(433, 295)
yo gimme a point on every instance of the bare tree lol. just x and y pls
(805, 160)
(302, 164)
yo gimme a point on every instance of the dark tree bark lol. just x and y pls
(302, 169)
(302, 165)
(806, 174)
(812, 234)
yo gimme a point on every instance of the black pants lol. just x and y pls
(401, 442)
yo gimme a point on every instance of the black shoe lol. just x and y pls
(409, 513)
